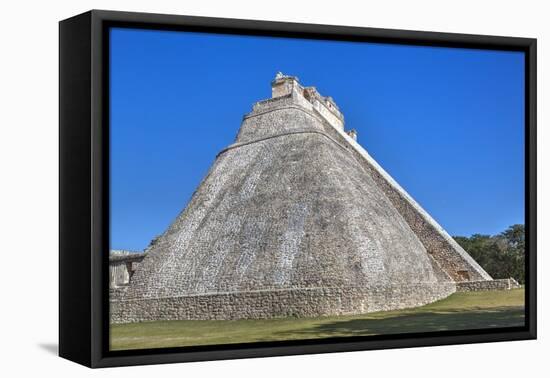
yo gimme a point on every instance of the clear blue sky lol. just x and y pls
(447, 124)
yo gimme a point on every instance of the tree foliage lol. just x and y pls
(502, 255)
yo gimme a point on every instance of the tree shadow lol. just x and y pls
(416, 322)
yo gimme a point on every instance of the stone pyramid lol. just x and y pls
(295, 219)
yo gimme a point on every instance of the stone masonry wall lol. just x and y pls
(117, 293)
(122, 265)
(280, 303)
(454, 264)
(502, 284)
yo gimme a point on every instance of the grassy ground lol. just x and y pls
(486, 309)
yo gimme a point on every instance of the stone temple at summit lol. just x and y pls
(295, 219)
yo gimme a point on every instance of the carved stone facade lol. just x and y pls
(122, 266)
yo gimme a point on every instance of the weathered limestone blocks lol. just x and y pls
(300, 302)
(122, 265)
(117, 293)
(448, 254)
(309, 97)
(484, 285)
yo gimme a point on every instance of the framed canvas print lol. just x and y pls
(234, 188)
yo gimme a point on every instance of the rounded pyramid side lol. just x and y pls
(288, 208)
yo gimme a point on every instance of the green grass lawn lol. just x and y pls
(485, 309)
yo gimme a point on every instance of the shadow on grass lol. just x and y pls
(462, 312)
(416, 322)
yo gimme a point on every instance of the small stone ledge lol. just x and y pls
(491, 285)
(132, 257)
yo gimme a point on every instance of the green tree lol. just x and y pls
(502, 255)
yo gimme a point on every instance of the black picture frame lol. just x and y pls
(84, 187)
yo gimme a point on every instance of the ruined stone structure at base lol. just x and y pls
(489, 285)
(122, 266)
(295, 219)
(308, 302)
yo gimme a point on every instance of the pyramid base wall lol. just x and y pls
(492, 285)
(280, 303)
